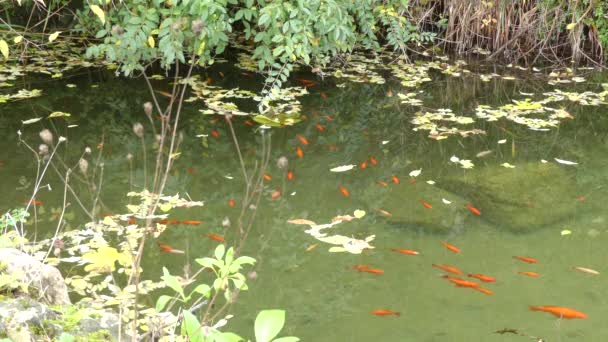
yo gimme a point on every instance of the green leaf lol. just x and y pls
(4, 48)
(162, 302)
(65, 337)
(571, 26)
(228, 337)
(172, 282)
(268, 323)
(207, 262)
(287, 339)
(219, 252)
(191, 327)
(203, 289)
(99, 13)
(245, 260)
(54, 36)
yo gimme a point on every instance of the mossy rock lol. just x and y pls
(521, 199)
(405, 202)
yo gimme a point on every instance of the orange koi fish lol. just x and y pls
(381, 183)
(461, 282)
(483, 278)
(473, 209)
(275, 194)
(372, 270)
(320, 128)
(165, 221)
(559, 311)
(404, 251)
(426, 204)
(231, 203)
(299, 152)
(328, 118)
(169, 249)
(216, 237)
(395, 179)
(361, 267)
(344, 191)
(249, 123)
(306, 83)
(373, 160)
(290, 175)
(323, 96)
(267, 177)
(448, 268)
(530, 274)
(364, 165)
(332, 147)
(215, 134)
(483, 290)
(34, 202)
(385, 313)
(131, 220)
(526, 259)
(191, 222)
(451, 247)
(302, 139)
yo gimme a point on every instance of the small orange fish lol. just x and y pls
(381, 183)
(426, 204)
(373, 160)
(306, 83)
(483, 278)
(530, 274)
(461, 282)
(344, 191)
(483, 290)
(131, 220)
(216, 237)
(164, 93)
(34, 202)
(451, 247)
(448, 268)
(526, 259)
(395, 179)
(215, 134)
(332, 147)
(328, 118)
(275, 194)
(323, 95)
(473, 209)
(412, 180)
(384, 212)
(299, 152)
(404, 251)
(559, 312)
(320, 128)
(290, 175)
(267, 177)
(581, 198)
(385, 313)
(364, 165)
(231, 203)
(169, 249)
(165, 221)
(372, 270)
(191, 222)
(249, 123)
(361, 267)
(302, 139)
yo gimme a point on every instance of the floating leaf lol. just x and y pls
(165, 207)
(343, 168)
(359, 213)
(507, 165)
(503, 141)
(4, 48)
(99, 13)
(566, 232)
(17, 39)
(54, 36)
(446, 201)
(570, 26)
(565, 162)
(415, 173)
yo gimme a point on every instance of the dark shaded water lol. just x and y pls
(325, 298)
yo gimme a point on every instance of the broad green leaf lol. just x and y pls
(207, 262)
(99, 13)
(219, 252)
(54, 36)
(203, 289)
(191, 327)
(162, 302)
(245, 260)
(4, 48)
(172, 282)
(267, 325)
(228, 337)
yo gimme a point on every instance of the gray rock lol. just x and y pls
(46, 279)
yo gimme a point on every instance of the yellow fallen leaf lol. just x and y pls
(359, 213)
(54, 36)
(165, 207)
(151, 41)
(570, 26)
(99, 13)
(566, 232)
(4, 48)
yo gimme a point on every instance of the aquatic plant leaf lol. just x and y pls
(99, 13)
(4, 48)
(359, 213)
(172, 282)
(566, 232)
(343, 168)
(30, 121)
(58, 115)
(415, 173)
(191, 327)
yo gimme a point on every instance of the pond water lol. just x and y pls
(541, 208)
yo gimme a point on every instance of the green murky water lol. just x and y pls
(523, 210)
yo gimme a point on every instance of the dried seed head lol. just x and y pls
(197, 27)
(43, 149)
(282, 162)
(46, 136)
(148, 108)
(138, 129)
(83, 166)
(87, 150)
(129, 157)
